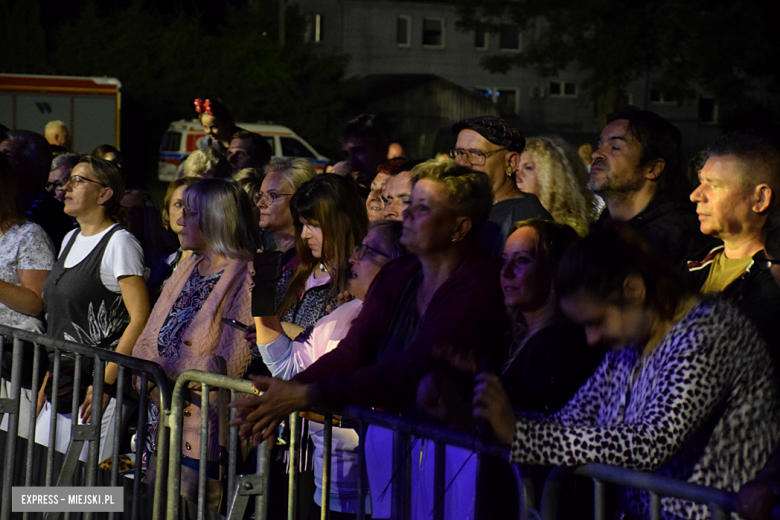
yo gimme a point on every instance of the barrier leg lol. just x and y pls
(326, 458)
(439, 466)
(401, 502)
(599, 506)
(13, 427)
(204, 453)
(55, 397)
(263, 470)
(292, 494)
(362, 478)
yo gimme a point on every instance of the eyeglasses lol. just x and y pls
(762, 262)
(78, 182)
(362, 249)
(269, 197)
(474, 157)
(56, 185)
(188, 213)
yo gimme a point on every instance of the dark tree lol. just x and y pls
(723, 46)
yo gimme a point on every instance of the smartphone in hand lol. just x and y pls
(238, 325)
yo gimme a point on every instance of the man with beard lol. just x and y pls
(639, 170)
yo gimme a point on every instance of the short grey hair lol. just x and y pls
(224, 213)
(296, 171)
(66, 160)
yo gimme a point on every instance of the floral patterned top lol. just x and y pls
(189, 302)
(23, 246)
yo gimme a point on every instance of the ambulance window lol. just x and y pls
(171, 141)
(294, 148)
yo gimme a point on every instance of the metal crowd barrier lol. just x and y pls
(242, 487)
(10, 407)
(720, 502)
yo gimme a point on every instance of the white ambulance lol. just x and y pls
(182, 138)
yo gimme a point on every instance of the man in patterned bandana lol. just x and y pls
(489, 145)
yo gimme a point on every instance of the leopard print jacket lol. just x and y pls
(703, 408)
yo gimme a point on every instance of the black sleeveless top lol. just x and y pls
(80, 308)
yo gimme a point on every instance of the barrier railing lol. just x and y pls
(11, 405)
(720, 502)
(241, 487)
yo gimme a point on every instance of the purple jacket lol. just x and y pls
(466, 314)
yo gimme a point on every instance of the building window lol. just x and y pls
(509, 38)
(313, 32)
(402, 31)
(433, 32)
(480, 38)
(658, 96)
(562, 89)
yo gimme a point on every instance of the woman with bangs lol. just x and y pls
(185, 329)
(550, 169)
(330, 220)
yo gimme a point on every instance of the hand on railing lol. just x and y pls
(259, 416)
(492, 404)
(86, 408)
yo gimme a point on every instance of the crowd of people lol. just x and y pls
(587, 308)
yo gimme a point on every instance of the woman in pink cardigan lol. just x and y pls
(185, 330)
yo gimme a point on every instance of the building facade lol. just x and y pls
(386, 37)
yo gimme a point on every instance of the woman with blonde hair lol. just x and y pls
(205, 163)
(282, 179)
(550, 169)
(185, 329)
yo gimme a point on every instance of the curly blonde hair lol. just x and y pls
(562, 182)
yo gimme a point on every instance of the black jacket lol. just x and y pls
(755, 293)
(671, 225)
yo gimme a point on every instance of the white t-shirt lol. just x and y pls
(123, 257)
